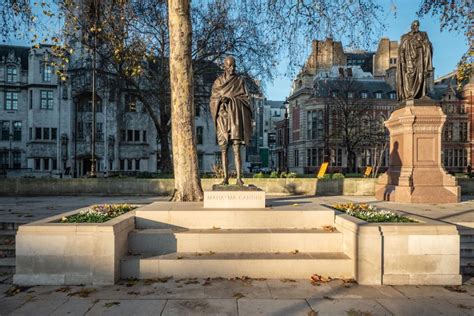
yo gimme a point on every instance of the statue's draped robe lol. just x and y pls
(233, 119)
(414, 64)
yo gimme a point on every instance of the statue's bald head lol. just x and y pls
(415, 26)
(229, 65)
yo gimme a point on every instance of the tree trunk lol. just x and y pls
(186, 173)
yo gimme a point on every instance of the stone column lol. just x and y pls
(415, 173)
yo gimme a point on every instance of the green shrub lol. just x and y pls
(288, 175)
(274, 174)
(98, 213)
(371, 214)
(337, 175)
(259, 175)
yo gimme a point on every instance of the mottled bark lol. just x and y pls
(186, 171)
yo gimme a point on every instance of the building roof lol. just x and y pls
(323, 88)
(443, 84)
(275, 104)
(19, 51)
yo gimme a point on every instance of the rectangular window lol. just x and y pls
(54, 134)
(448, 131)
(54, 164)
(45, 133)
(199, 135)
(129, 164)
(4, 160)
(38, 133)
(378, 95)
(47, 72)
(131, 103)
(198, 110)
(80, 131)
(98, 106)
(136, 136)
(11, 100)
(129, 135)
(45, 163)
(296, 158)
(37, 164)
(30, 133)
(46, 97)
(137, 164)
(17, 131)
(31, 99)
(99, 132)
(315, 124)
(16, 160)
(122, 135)
(200, 161)
(12, 74)
(364, 95)
(463, 131)
(144, 136)
(122, 164)
(5, 130)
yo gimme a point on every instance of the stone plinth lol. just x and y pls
(246, 198)
(415, 173)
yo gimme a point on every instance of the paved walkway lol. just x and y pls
(238, 297)
(232, 297)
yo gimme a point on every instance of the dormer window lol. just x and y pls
(392, 95)
(378, 95)
(47, 72)
(334, 93)
(364, 95)
(12, 74)
(350, 95)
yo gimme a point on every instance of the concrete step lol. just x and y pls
(7, 237)
(466, 238)
(467, 266)
(467, 250)
(7, 251)
(227, 218)
(12, 225)
(163, 241)
(228, 265)
(8, 262)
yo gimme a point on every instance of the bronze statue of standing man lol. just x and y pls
(232, 115)
(414, 65)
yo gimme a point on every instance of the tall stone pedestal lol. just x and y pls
(415, 173)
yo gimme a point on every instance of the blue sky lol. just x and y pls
(448, 47)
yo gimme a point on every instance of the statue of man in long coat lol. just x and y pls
(232, 115)
(414, 64)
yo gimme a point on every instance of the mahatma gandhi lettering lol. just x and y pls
(235, 197)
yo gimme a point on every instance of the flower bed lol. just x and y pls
(98, 213)
(371, 214)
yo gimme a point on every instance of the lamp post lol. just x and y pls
(93, 173)
(286, 135)
(10, 156)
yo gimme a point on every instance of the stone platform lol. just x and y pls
(287, 239)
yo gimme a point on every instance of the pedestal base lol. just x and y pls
(415, 173)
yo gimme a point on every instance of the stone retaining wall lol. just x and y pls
(132, 186)
(424, 253)
(53, 253)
